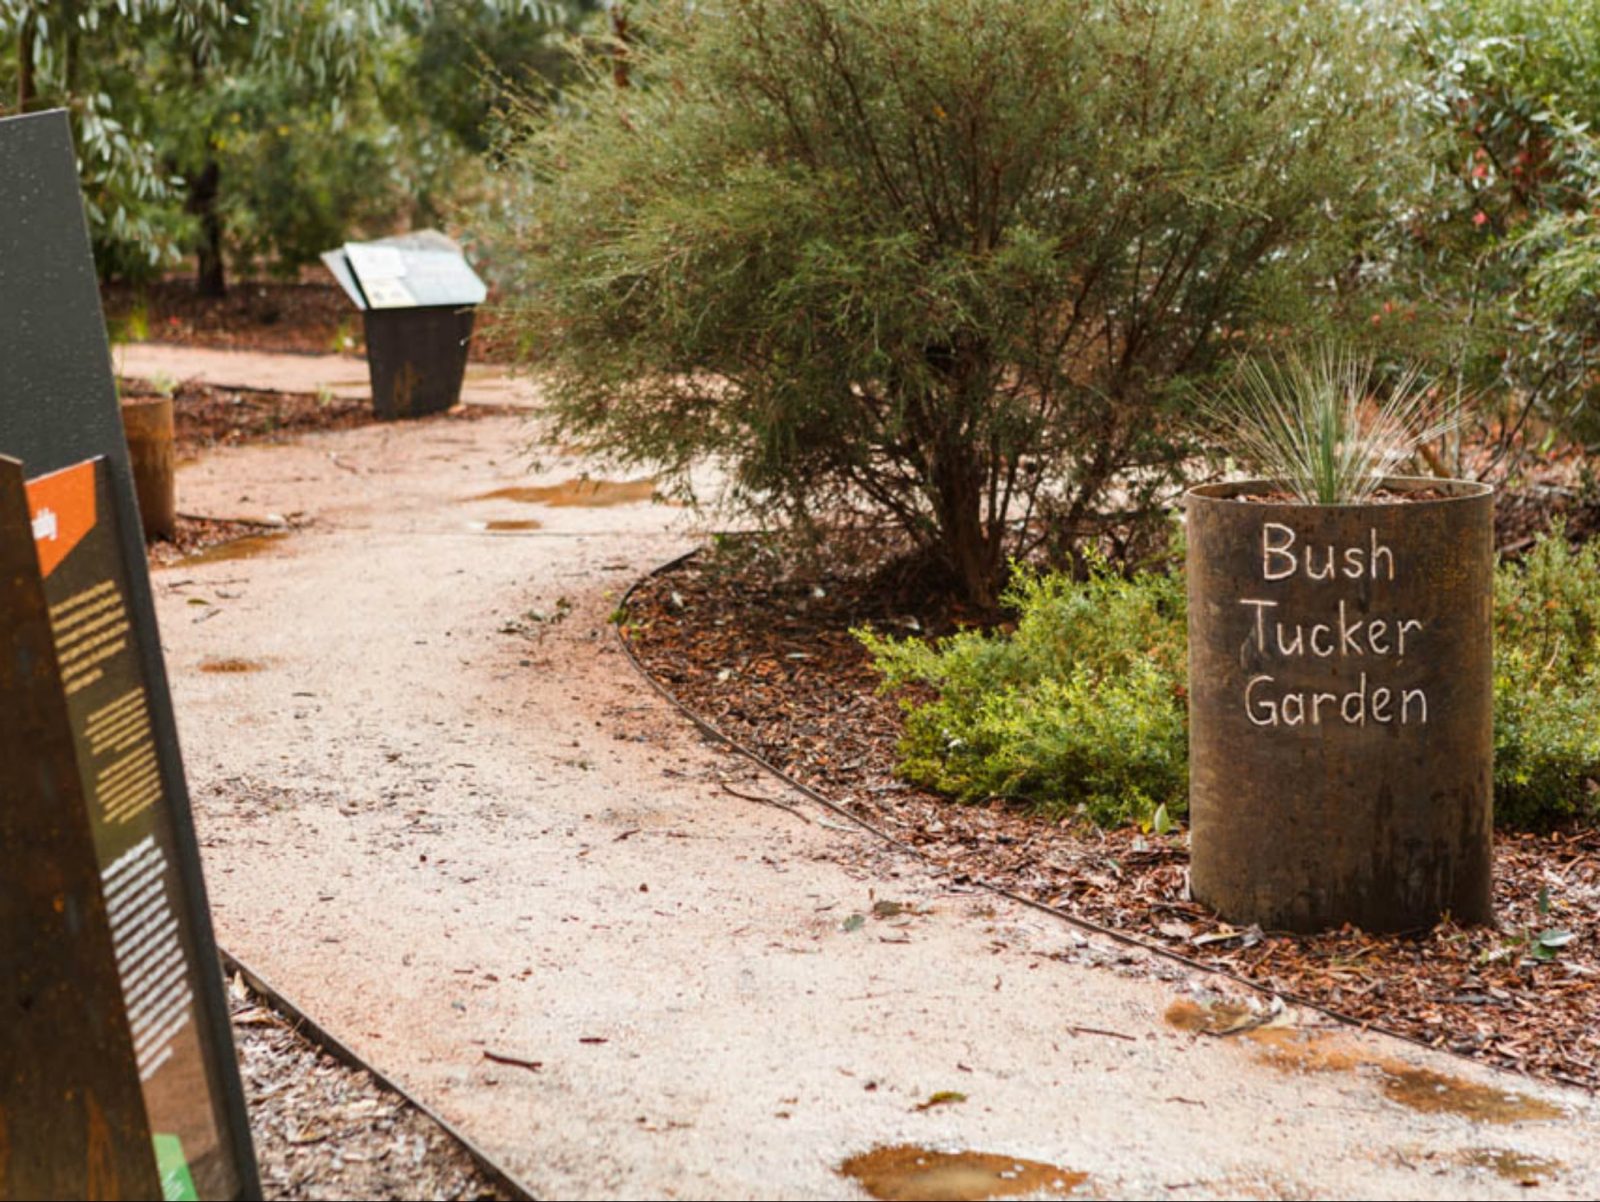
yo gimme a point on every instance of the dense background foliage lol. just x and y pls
(1496, 261)
(260, 133)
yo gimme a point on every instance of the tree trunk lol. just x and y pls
(67, 18)
(971, 550)
(27, 83)
(619, 31)
(210, 277)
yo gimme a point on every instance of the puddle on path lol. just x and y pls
(231, 665)
(905, 1173)
(577, 492)
(1429, 1092)
(1218, 1018)
(1419, 1089)
(1519, 1167)
(247, 547)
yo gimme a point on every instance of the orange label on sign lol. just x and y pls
(63, 511)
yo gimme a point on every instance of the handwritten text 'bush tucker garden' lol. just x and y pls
(1358, 641)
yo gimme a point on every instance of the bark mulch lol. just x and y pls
(205, 416)
(311, 315)
(768, 659)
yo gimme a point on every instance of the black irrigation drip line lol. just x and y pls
(342, 1052)
(1084, 924)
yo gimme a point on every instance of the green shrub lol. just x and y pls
(1081, 705)
(942, 263)
(1547, 684)
(1500, 255)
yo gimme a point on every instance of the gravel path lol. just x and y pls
(440, 811)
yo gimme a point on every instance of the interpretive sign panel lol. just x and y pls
(72, 1116)
(158, 958)
(410, 271)
(59, 415)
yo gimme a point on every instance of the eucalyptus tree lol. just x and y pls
(175, 102)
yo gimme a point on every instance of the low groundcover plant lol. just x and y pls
(1082, 708)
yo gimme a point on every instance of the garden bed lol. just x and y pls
(769, 660)
(206, 417)
(307, 316)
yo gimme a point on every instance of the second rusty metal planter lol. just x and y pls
(147, 423)
(1341, 706)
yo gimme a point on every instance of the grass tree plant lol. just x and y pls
(1322, 426)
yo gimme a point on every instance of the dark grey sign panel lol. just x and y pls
(72, 1113)
(58, 408)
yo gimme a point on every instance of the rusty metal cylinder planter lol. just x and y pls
(147, 425)
(1341, 702)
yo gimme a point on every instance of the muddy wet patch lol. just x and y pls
(509, 525)
(578, 492)
(1215, 1018)
(1518, 1167)
(230, 666)
(239, 548)
(1420, 1089)
(1428, 1092)
(905, 1173)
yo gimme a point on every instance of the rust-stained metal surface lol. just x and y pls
(148, 424)
(1341, 707)
(417, 357)
(72, 1118)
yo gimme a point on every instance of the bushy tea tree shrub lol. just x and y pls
(938, 262)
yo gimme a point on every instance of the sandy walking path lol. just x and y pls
(336, 375)
(440, 811)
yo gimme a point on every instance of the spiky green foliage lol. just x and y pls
(940, 262)
(1317, 426)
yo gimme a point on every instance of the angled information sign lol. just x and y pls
(59, 416)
